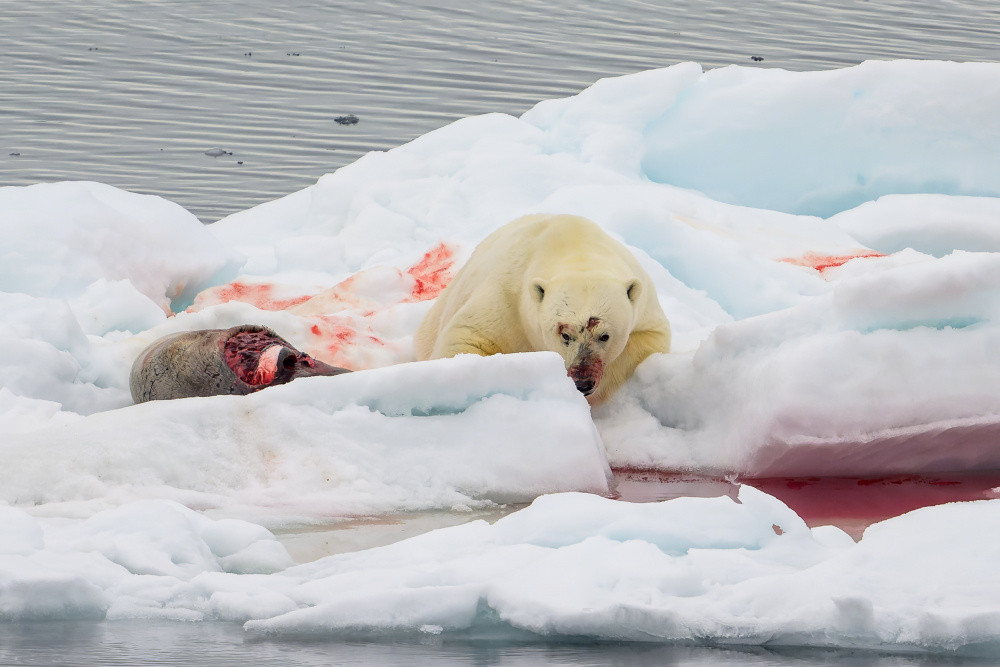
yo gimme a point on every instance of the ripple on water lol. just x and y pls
(227, 645)
(132, 94)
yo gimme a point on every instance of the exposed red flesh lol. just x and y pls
(243, 353)
(267, 366)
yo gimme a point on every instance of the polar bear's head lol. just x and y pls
(585, 317)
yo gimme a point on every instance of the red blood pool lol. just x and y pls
(821, 263)
(850, 503)
(638, 485)
(432, 273)
(853, 504)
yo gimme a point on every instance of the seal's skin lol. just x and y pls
(214, 362)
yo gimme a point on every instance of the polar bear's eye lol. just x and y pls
(604, 338)
(566, 337)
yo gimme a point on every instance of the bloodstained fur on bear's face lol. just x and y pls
(586, 367)
(587, 374)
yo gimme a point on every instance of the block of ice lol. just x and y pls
(58, 238)
(413, 437)
(825, 244)
(824, 142)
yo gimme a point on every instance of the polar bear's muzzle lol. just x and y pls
(587, 375)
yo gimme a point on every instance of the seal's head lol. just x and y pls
(261, 358)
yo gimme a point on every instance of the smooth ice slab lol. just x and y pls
(693, 570)
(414, 437)
(824, 244)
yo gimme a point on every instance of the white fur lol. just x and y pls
(543, 276)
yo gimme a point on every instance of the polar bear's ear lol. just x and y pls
(634, 290)
(538, 290)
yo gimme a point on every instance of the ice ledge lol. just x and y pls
(414, 437)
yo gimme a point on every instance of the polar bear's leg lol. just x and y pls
(471, 330)
(464, 334)
(426, 336)
(459, 339)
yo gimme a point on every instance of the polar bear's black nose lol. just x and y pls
(585, 386)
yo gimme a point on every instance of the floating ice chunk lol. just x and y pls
(21, 534)
(889, 372)
(241, 606)
(929, 223)
(56, 239)
(44, 355)
(824, 142)
(676, 527)
(690, 569)
(44, 320)
(605, 123)
(135, 561)
(115, 305)
(47, 595)
(415, 436)
(712, 570)
(958, 290)
(19, 414)
(800, 351)
(165, 539)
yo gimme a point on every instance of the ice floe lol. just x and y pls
(825, 246)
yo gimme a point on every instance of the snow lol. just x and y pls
(420, 436)
(825, 245)
(572, 565)
(741, 135)
(60, 238)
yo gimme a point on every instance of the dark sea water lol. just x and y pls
(133, 92)
(135, 643)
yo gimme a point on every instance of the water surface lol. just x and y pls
(70, 644)
(133, 93)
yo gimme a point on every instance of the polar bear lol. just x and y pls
(551, 282)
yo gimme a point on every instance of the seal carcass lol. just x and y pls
(213, 362)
